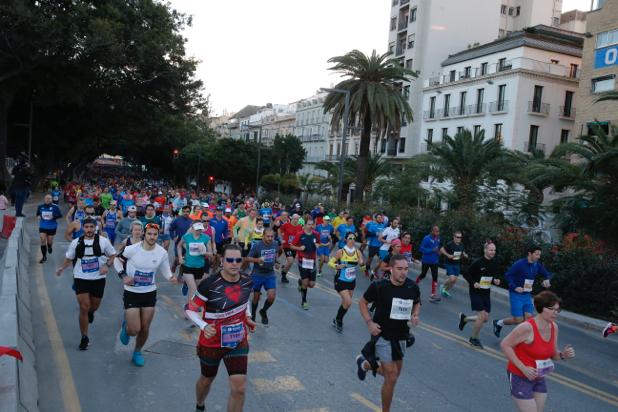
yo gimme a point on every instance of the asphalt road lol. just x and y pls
(297, 363)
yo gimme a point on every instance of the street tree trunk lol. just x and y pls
(363, 159)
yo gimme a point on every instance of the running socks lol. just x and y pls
(44, 251)
(303, 292)
(199, 408)
(267, 305)
(341, 313)
(434, 286)
(254, 307)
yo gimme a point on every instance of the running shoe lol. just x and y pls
(43, 260)
(319, 274)
(138, 359)
(90, 316)
(306, 305)
(462, 321)
(185, 289)
(476, 343)
(83, 345)
(264, 317)
(497, 328)
(444, 292)
(49, 249)
(360, 372)
(124, 337)
(434, 299)
(609, 329)
(338, 325)
(284, 279)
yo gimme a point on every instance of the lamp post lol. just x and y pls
(346, 115)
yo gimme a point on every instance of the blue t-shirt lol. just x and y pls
(193, 257)
(221, 229)
(374, 230)
(49, 214)
(430, 248)
(342, 230)
(266, 213)
(324, 232)
(55, 196)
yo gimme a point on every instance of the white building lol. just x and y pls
(312, 127)
(519, 89)
(422, 32)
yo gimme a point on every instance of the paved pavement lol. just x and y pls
(298, 363)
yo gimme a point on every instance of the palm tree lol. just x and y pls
(466, 161)
(377, 167)
(376, 101)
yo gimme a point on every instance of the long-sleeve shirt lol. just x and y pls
(179, 227)
(523, 273)
(481, 271)
(430, 247)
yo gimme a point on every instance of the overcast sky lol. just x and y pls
(275, 51)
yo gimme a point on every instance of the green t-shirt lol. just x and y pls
(106, 198)
(193, 257)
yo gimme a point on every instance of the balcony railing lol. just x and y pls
(402, 2)
(458, 111)
(445, 114)
(536, 107)
(529, 147)
(499, 106)
(332, 157)
(567, 112)
(521, 63)
(473, 109)
(403, 23)
(429, 115)
(400, 49)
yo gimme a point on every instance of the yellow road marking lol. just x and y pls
(435, 345)
(261, 356)
(278, 384)
(556, 377)
(366, 402)
(65, 376)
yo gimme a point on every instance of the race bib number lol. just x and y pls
(456, 255)
(544, 367)
(528, 285)
(269, 255)
(307, 263)
(232, 335)
(291, 239)
(143, 278)
(47, 215)
(401, 309)
(408, 257)
(90, 265)
(349, 274)
(486, 282)
(195, 249)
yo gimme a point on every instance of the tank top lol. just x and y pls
(111, 219)
(529, 353)
(80, 232)
(79, 215)
(348, 274)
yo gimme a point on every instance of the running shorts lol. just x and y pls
(289, 253)
(139, 300)
(522, 388)
(452, 270)
(521, 303)
(235, 359)
(267, 281)
(341, 285)
(93, 287)
(307, 274)
(48, 232)
(480, 302)
(197, 273)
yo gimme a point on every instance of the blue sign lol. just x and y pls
(606, 57)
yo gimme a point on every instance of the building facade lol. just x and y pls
(423, 32)
(519, 89)
(599, 70)
(574, 20)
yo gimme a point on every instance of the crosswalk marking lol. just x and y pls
(261, 356)
(278, 384)
(366, 402)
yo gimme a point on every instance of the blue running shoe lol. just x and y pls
(360, 371)
(185, 289)
(138, 359)
(124, 337)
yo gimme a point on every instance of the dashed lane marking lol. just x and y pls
(277, 385)
(366, 402)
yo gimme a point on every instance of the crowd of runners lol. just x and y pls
(225, 251)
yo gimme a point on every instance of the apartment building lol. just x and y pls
(423, 32)
(574, 20)
(599, 69)
(519, 89)
(312, 127)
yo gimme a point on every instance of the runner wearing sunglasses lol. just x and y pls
(347, 261)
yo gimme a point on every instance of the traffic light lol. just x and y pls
(211, 179)
(176, 153)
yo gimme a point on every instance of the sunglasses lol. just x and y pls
(458, 237)
(557, 310)
(350, 238)
(152, 226)
(233, 260)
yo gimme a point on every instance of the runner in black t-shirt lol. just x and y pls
(480, 275)
(397, 302)
(306, 246)
(454, 252)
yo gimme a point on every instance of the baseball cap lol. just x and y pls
(395, 242)
(228, 210)
(198, 226)
(131, 209)
(326, 217)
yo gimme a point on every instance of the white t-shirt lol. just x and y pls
(389, 234)
(142, 266)
(89, 267)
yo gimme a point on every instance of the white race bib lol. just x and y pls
(401, 309)
(47, 215)
(528, 285)
(307, 263)
(456, 255)
(486, 282)
(195, 249)
(349, 273)
(544, 367)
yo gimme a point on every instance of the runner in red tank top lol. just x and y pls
(531, 349)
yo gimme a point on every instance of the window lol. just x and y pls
(604, 84)
(477, 129)
(404, 122)
(568, 103)
(503, 9)
(501, 33)
(564, 136)
(413, 15)
(594, 127)
(383, 146)
(607, 38)
(480, 93)
(452, 76)
(555, 21)
(517, 11)
(432, 107)
(460, 129)
(498, 132)
(501, 95)
(502, 65)
(467, 71)
(409, 64)
(402, 145)
(574, 71)
(393, 23)
(533, 138)
(447, 103)
(444, 132)
(511, 11)
(537, 98)
(429, 136)
(406, 92)
(391, 47)
(483, 68)
(462, 103)
(411, 38)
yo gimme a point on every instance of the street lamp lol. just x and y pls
(346, 114)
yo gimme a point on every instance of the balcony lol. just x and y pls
(530, 147)
(538, 108)
(499, 107)
(400, 49)
(567, 113)
(519, 63)
(332, 158)
(403, 23)
(447, 114)
(429, 115)
(402, 2)
(458, 111)
(476, 109)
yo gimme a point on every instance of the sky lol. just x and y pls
(276, 51)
